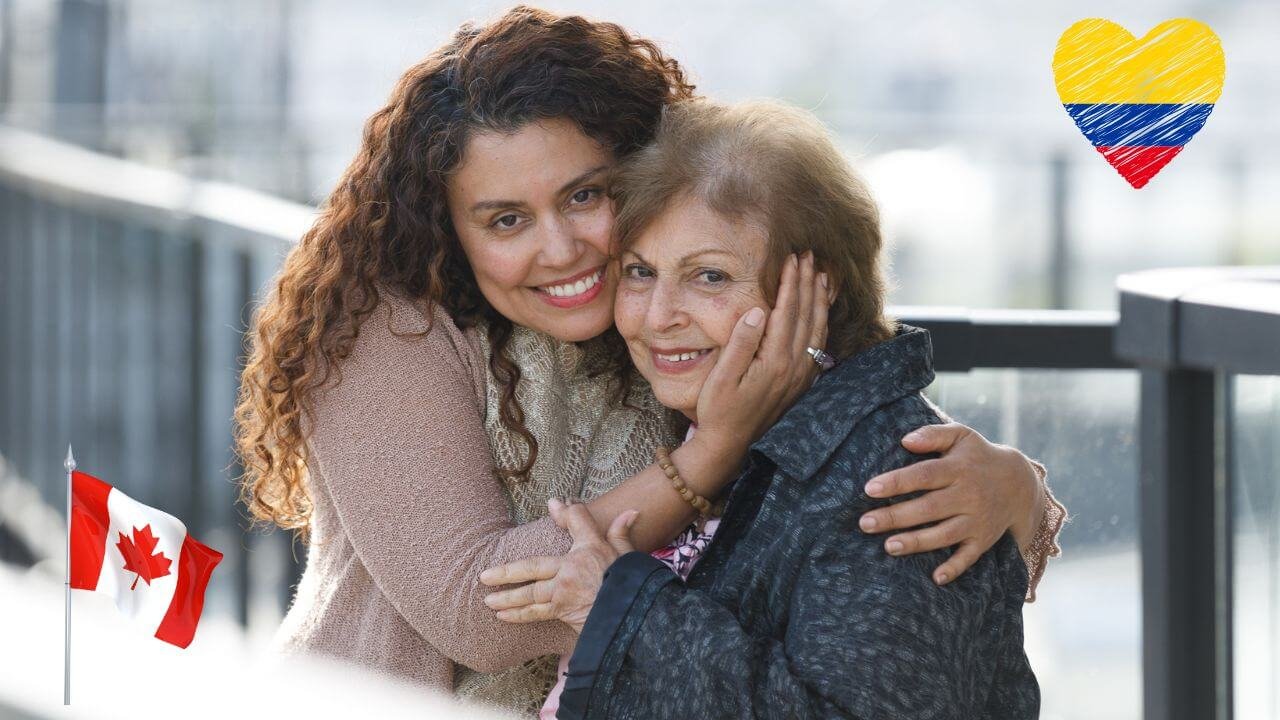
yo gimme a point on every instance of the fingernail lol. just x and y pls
(488, 600)
(874, 488)
(913, 436)
(754, 316)
(486, 576)
(868, 522)
(823, 278)
(632, 520)
(942, 578)
(893, 546)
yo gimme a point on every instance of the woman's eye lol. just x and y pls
(713, 276)
(506, 221)
(584, 195)
(637, 271)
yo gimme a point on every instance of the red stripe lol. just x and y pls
(195, 564)
(89, 523)
(1137, 163)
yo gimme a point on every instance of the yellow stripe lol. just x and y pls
(1178, 61)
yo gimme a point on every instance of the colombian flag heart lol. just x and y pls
(1139, 100)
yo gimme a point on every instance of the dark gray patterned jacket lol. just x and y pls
(796, 613)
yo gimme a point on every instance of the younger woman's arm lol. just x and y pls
(976, 491)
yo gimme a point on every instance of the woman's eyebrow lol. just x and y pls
(687, 259)
(494, 205)
(580, 179)
(499, 204)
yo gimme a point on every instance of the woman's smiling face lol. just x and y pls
(685, 281)
(531, 213)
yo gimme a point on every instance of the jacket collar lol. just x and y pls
(811, 430)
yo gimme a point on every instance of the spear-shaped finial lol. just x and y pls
(70, 463)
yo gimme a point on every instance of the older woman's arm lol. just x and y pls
(866, 635)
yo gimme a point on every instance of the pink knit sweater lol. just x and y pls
(408, 513)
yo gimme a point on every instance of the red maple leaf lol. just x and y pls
(138, 557)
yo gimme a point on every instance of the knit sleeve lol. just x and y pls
(399, 446)
(1045, 543)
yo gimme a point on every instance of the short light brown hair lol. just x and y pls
(775, 165)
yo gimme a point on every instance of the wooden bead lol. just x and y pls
(699, 503)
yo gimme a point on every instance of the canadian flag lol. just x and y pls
(140, 556)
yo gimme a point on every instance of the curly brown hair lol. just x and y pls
(387, 225)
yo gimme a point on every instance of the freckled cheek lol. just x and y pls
(629, 309)
(595, 229)
(504, 270)
(717, 314)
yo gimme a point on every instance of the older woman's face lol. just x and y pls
(684, 283)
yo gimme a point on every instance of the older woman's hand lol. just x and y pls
(561, 588)
(757, 380)
(977, 491)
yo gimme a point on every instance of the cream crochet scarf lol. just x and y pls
(587, 445)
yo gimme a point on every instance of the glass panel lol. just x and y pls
(1255, 445)
(1083, 633)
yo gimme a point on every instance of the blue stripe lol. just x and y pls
(1139, 124)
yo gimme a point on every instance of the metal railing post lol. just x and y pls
(1179, 544)
(1224, 531)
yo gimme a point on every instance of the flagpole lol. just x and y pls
(70, 465)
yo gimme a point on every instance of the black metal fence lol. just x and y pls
(126, 292)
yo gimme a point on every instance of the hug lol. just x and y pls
(788, 610)
(552, 271)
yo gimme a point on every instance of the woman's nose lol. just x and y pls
(560, 248)
(666, 309)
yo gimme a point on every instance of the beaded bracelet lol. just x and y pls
(699, 503)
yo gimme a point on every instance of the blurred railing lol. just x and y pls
(1194, 333)
(126, 291)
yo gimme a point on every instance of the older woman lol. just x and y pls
(788, 610)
